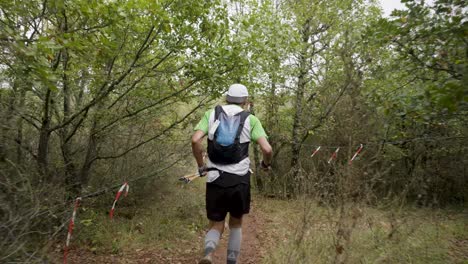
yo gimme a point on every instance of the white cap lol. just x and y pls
(237, 93)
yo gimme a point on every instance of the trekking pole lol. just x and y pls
(189, 178)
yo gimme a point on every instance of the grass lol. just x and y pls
(168, 216)
(171, 217)
(358, 234)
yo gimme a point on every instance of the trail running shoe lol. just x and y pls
(206, 260)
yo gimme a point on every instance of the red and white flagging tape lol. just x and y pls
(333, 156)
(355, 154)
(117, 196)
(71, 225)
(315, 152)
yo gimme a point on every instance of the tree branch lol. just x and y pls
(150, 105)
(156, 136)
(138, 80)
(110, 88)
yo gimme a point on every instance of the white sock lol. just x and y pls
(234, 245)
(211, 240)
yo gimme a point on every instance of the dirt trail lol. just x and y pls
(252, 249)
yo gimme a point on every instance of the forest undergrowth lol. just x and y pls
(297, 230)
(356, 233)
(158, 222)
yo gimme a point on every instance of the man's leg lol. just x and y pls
(235, 239)
(239, 205)
(216, 213)
(211, 240)
(212, 236)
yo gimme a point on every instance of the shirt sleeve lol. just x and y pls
(256, 129)
(204, 122)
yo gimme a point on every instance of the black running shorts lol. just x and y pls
(234, 200)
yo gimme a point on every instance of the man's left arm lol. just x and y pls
(259, 136)
(197, 147)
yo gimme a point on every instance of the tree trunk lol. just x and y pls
(271, 120)
(91, 152)
(296, 131)
(72, 183)
(300, 91)
(19, 130)
(6, 124)
(297, 122)
(44, 136)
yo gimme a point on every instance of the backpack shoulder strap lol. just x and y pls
(243, 116)
(218, 110)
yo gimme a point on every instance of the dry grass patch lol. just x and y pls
(304, 232)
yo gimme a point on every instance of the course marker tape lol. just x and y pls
(333, 156)
(315, 152)
(71, 225)
(355, 154)
(117, 196)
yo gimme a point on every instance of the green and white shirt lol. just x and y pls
(251, 131)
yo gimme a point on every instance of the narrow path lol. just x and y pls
(251, 251)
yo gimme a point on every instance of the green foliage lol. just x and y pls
(94, 92)
(431, 41)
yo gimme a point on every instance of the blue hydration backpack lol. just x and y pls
(225, 148)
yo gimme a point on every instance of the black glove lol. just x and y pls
(202, 171)
(265, 166)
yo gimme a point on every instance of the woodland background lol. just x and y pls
(94, 93)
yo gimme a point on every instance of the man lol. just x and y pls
(230, 130)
